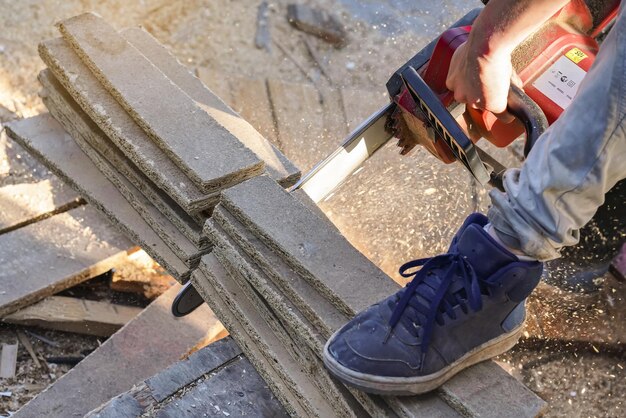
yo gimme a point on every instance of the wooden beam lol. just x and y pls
(25, 203)
(21, 336)
(75, 315)
(310, 122)
(249, 98)
(208, 380)
(8, 361)
(52, 255)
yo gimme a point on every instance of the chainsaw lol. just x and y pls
(551, 64)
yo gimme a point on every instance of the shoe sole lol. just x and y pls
(405, 386)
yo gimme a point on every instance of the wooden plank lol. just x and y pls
(277, 165)
(303, 342)
(27, 202)
(487, 391)
(112, 164)
(202, 148)
(152, 341)
(8, 361)
(48, 256)
(316, 308)
(120, 128)
(300, 121)
(236, 390)
(183, 373)
(43, 137)
(271, 369)
(142, 275)
(212, 376)
(308, 245)
(21, 336)
(75, 315)
(249, 98)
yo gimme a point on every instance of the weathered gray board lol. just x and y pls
(119, 127)
(215, 396)
(301, 340)
(74, 315)
(309, 245)
(51, 255)
(44, 138)
(263, 366)
(27, 202)
(77, 121)
(528, 404)
(283, 308)
(152, 341)
(289, 371)
(486, 390)
(8, 360)
(224, 382)
(256, 113)
(85, 133)
(317, 309)
(202, 148)
(28, 191)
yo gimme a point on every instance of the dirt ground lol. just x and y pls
(219, 35)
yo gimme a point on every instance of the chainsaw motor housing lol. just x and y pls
(551, 63)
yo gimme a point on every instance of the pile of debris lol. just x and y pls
(195, 185)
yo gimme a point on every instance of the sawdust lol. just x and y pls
(30, 379)
(576, 381)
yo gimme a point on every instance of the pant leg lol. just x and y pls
(577, 160)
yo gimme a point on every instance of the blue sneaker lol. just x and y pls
(461, 308)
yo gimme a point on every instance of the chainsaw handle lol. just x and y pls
(520, 105)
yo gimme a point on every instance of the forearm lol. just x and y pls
(504, 24)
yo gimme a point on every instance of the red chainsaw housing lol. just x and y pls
(566, 40)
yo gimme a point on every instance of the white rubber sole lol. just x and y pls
(403, 386)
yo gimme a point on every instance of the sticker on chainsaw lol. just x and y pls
(576, 55)
(560, 82)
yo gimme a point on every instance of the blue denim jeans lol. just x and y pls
(577, 160)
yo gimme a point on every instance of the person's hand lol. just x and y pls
(482, 81)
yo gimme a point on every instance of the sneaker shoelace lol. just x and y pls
(433, 305)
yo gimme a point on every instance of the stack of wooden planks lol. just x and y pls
(121, 98)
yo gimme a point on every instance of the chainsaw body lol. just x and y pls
(551, 64)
